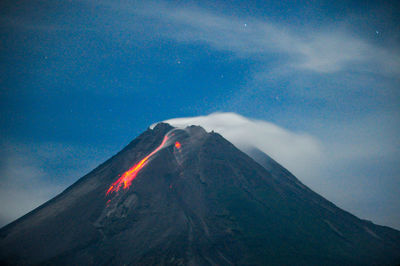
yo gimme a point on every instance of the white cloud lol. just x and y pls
(327, 49)
(298, 152)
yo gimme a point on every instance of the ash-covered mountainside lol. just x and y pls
(188, 197)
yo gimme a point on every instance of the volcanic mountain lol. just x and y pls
(188, 197)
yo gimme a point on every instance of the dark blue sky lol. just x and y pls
(80, 79)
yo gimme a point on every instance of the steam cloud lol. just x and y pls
(297, 152)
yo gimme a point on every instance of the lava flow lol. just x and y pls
(127, 177)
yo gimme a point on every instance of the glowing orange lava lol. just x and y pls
(177, 145)
(127, 177)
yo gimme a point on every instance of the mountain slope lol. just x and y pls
(200, 202)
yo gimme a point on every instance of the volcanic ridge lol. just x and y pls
(189, 197)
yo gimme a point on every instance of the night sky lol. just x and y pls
(81, 79)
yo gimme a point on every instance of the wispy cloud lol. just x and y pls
(299, 152)
(325, 50)
(33, 174)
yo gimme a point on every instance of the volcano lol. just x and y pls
(189, 197)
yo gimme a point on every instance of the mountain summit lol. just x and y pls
(188, 197)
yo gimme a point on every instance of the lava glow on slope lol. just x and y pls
(177, 145)
(126, 179)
